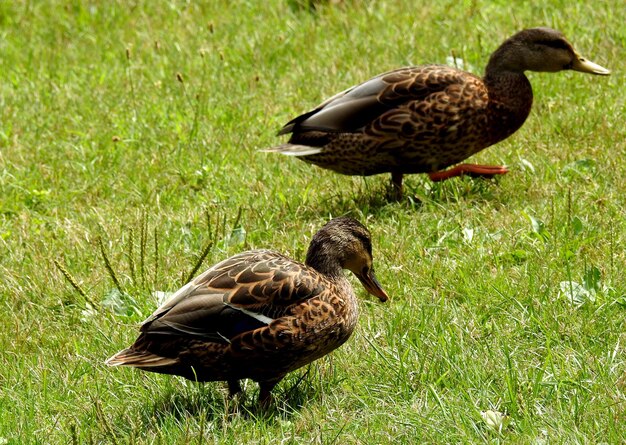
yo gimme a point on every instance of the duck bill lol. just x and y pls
(587, 66)
(372, 285)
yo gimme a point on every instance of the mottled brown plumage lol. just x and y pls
(426, 118)
(259, 314)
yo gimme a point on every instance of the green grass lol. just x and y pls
(130, 131)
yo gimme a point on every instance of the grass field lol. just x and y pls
(129, 138)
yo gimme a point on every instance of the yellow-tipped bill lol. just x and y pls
(587, 66)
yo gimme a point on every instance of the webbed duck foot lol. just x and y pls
(473, 170)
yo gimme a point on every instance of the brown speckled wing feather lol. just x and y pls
(240, 294)
(389, 100)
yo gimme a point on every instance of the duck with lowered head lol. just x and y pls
(259, 315)
(426, 118)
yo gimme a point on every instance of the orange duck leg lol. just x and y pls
(473, 170)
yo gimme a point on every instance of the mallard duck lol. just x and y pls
(259, 315)
(426, 118)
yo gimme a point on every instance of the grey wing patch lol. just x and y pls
(176, 298)
(346, 112)
(345, 117)
(207, 317)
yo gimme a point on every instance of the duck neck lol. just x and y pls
(510, 97)
(323, 259)
(508, 87)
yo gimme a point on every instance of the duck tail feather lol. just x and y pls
(293, 150)
(139, 359)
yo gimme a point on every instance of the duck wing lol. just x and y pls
(237, 295)
(359, 106)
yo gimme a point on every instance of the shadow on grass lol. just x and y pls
(180, 403)
(206, 404)
(208, 401)
(418, 195)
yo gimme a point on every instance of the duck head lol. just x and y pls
(540, 49)
(345, 243)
